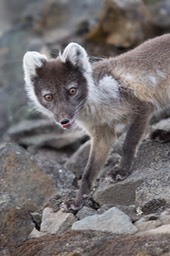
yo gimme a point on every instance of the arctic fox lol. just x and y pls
(98, 96)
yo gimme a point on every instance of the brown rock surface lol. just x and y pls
(92, 244)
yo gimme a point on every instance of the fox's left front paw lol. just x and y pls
(72, 206)
(118, 174)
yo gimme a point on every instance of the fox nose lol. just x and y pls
(64, 121)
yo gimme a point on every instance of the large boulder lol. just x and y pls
(26, 185)
(113, 220)
(148, 181)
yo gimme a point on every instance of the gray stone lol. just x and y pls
(56, 155)
(164, 229)
(162, 124)
(36, 234)
(62, 178)
(32, 127)
(149, 180)
(56, 222)
(154, 187)
(113, 221)
(13, 45)
(146, 224)
(85, 212)
(122, 193)
(165, 217)
(21, 178)
(43, 132)
(78, 160)
(25, 186)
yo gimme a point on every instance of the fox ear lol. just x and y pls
(77, 56)
(32, 61)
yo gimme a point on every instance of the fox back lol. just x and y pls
(69, 87)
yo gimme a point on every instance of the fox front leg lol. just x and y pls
(101, 142)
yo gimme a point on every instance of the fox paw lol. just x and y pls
(117, 175)
(160, 135)
(71, 206)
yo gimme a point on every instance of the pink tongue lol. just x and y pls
(66, 125)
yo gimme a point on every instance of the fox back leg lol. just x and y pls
(133, 137)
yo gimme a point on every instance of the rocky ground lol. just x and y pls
(41, 165)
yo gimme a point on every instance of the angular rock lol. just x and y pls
(154, 187)
(163, 124)
(21, 178)
(149, 180)
(164, 229)
(36, 234)
(85, 212)
(25, 187)
(56, 222)
(15, 225)
(153, 206)
(122, 193)
(146, 224)
(113, 221)
(63, 179)
(165, 217)
(77, 162)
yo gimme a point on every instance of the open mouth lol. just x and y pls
(67, 125)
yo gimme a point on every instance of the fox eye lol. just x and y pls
(72, 91)
(48, 97)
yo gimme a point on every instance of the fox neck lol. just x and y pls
(104, 102)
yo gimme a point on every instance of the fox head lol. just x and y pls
(59, 87)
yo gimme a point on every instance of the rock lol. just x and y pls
(164, 229)
(25, 187)
(149, 179)
(47, 15)
(13, 45)
(35, 234)
(154, 187)
(154, 206)
(44, 132)
(165, 217)
(21, 177)
(113, 221)
(16, 224)
(132, 18)
(60, 156)
(160, 11)
(56, 222)
(62, 177)
(147, 223)
(122, 193)
(32, 127)
(85, 212)
(163, 124)
(96, 243)
(77, 162)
